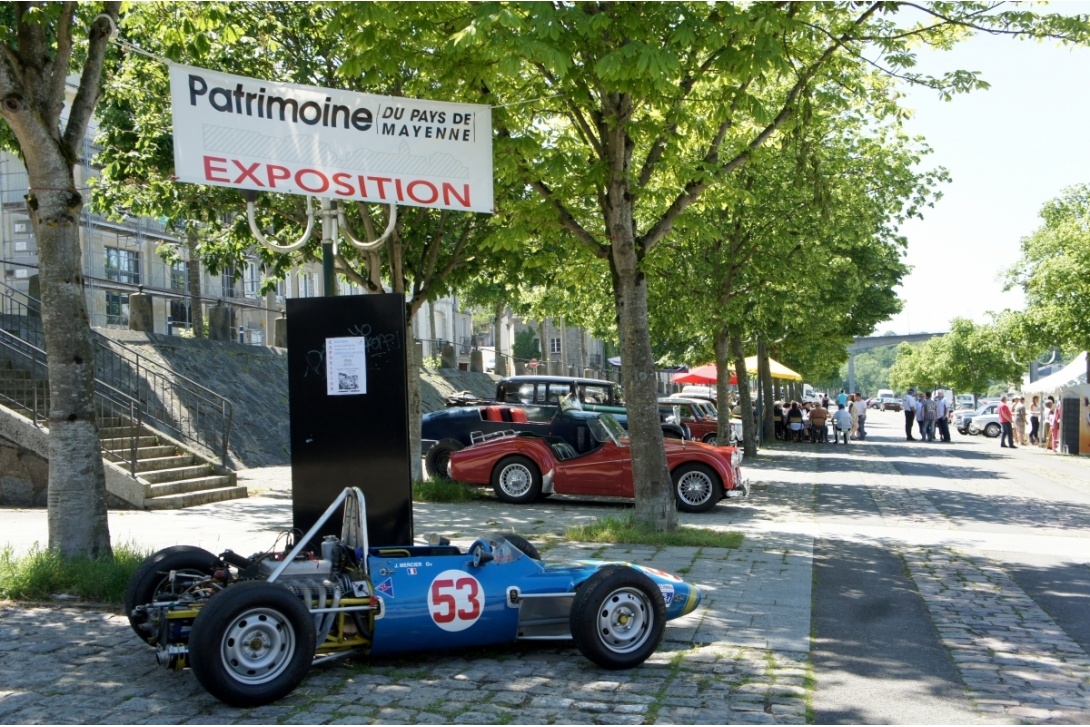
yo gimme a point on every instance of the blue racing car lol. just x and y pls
(250, 627)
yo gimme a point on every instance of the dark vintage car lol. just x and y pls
(523, 404)
(587, 453)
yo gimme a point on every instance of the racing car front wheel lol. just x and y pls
(252, 644)
(163, 577)
(618, 617)
(696, 487)
(516, 479)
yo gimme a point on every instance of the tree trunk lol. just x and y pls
(722, 382)
(500, 364)
(769, 425)
(77, 483)
(655, 504)
(193, 274)
(745, 401)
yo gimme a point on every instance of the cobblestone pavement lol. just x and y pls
(743, 657)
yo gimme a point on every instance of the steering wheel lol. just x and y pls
(481, 552)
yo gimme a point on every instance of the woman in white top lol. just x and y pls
(1034, 419)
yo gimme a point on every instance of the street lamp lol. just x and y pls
(333, 224)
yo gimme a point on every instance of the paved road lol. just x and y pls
(883, 582)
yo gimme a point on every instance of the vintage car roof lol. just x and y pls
(554, 379)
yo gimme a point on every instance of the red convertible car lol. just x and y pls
(587, 453)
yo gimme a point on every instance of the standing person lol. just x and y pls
(1034, 419)
(777, 419)
(842, 399)
(942, 409)
(1019, 412)
(908, 405)
(1047, 417)
(860, 416)
(1006, 420)
(927, 412)
(842, 423)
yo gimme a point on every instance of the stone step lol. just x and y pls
(178, 473)
(164, 463)
(192, 499)
(181, 487)
(156, 451)
(117, 432)
(122, 444)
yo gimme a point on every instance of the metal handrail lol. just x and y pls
(165, 401)
(109, 401)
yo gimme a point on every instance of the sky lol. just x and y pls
(1008, 149)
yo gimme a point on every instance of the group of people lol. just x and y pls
(930, 414)
(809, 421)
(1042, 417)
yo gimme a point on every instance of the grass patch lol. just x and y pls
(444, 491)
(41, 574)
(623, 529)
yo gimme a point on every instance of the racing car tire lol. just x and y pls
(252, 644)
(516, 479)
(992, 430)
(696, 487)
(152, 578)
(438, 457)
(528, 549)
(618, 617)
(712, 438)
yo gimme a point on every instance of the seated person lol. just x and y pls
(842, 423)
(818, 416)
(794, 422)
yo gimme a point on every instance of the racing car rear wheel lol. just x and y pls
(712, 438)
(516, 479)
(152, 579)
(252, 644)
(438, 457)
(618, 617)
(696, 487)
(528, 549)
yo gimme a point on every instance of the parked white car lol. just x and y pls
(986, 421)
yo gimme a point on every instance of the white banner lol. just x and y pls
(233, 131)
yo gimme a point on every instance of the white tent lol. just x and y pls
(1071, 375)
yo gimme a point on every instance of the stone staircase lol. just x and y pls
(167, 476)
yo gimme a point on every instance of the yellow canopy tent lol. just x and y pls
(777, 369)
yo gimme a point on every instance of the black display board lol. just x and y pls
(1069, 426)
(349, 411)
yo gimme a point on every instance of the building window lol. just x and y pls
(117, 309)
(554, 345)
(123, 265)
(179, 314)
(251, 284)
(227, 283)
(179, 276)
(307, 289)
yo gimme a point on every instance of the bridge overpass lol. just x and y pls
(864, 343)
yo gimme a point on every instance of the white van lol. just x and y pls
(884, 394)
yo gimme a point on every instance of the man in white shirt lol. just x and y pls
(842, 423)
(942, 412)
(908, 405)
(860, 415)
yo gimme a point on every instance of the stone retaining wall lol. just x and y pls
(255, 379)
